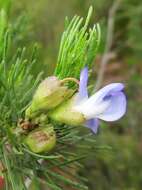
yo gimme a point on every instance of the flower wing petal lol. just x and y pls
(93, 124)
(106, 91)
(116, 109)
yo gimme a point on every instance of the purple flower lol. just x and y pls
(108, 104)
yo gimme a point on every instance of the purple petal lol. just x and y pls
(108, 104)
(107, 90)
(100, 95)
(117, 107)
(83, 93)
(93, 124)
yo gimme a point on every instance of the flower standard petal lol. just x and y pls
(83, 92)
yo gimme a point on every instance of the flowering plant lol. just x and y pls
(39, 118)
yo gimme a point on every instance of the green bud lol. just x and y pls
(41, 120)
(64, 113)
(50, 93)
(42, 139)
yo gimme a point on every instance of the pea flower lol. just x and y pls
(42, 139)
(108, 104)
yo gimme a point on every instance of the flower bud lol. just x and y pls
(65, 113)
(42, 139)
(50, 93)
(41, 120)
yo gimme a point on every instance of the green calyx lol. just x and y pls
(50, 93)
(64, 113)
(42, 139)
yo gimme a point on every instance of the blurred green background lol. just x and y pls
(42, 21)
